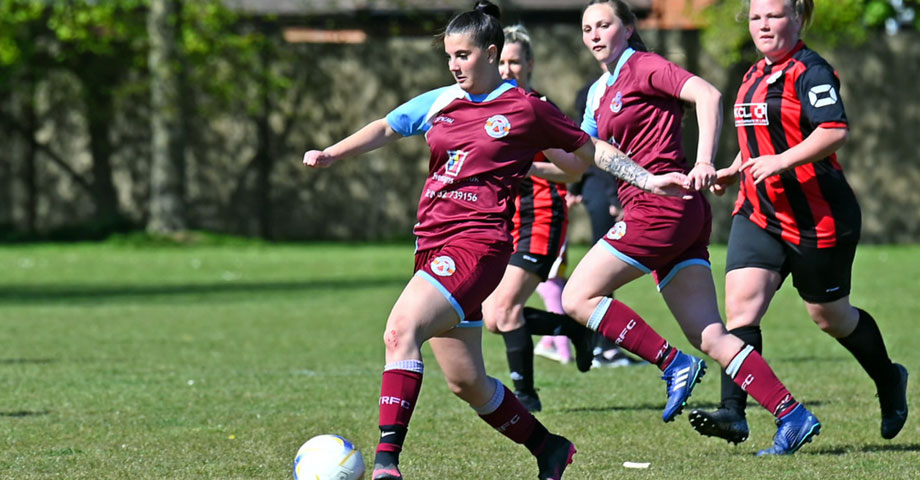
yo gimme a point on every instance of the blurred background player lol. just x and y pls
(540, 225)
(555, 347)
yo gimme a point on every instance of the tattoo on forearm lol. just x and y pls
(622, 167)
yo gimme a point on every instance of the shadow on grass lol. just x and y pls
(24, 413)
(660, 406)
(814, 359)
(43, 294)
(26, 361)
(875, 448)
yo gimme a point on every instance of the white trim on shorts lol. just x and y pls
(450, 298)
(662, 282)
(680, 266)
(622, 256)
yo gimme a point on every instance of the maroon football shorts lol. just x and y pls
(660, 235)
(465, 271)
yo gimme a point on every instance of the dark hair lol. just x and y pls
(622, 11)
(482, 22)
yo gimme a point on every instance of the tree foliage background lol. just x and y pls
(75, 114)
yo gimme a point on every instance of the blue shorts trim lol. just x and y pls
(624, 257)
(680, 266)
(450, 298)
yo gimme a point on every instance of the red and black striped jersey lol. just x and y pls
(779, 105)
(541, 216)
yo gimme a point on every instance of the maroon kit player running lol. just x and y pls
(483, 134)
(637, 106)
(795, 212)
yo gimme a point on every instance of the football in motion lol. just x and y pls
(328, 457)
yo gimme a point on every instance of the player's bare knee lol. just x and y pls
(399, 333)
(462, 387)
(572, 304)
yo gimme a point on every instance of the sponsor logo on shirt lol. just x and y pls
(443, 266)
(773, 78)
(455, 159)
(497, 126)
(443, 119)
(617, 232)
(617, 103)
(822, 95)
(747, 114)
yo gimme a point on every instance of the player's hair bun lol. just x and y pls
(489, 8)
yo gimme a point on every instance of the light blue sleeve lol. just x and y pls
(588, 123)
(409, 118)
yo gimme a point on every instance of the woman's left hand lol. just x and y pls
(702, 176)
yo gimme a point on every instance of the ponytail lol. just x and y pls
(482, 23)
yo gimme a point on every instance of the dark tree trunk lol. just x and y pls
(99, 118)
(167, 167)
(264, 157)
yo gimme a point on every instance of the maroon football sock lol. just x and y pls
(399, 393)
(750, 371)
(627, 329)
(506, 414)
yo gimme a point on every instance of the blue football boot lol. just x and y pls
(684, 372)
(795, 429)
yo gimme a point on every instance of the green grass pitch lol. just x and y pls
(191, 362)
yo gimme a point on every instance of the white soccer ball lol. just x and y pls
(328, 457)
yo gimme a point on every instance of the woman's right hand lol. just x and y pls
(317, 159)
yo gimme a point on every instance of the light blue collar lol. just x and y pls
(622, 61)
(486, 97)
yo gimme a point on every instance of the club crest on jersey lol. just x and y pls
(455, 160)
(617, 232)
(443, 266)
(617, 103)
(748, 114)
(497, 126)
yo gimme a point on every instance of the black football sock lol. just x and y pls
(541, 322)
(733, 397)
(867, 345)
(519, 350)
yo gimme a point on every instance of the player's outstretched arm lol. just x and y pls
(372, 136)
(613, 161)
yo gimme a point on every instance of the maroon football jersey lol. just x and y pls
(481, 148)
(637, 108)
